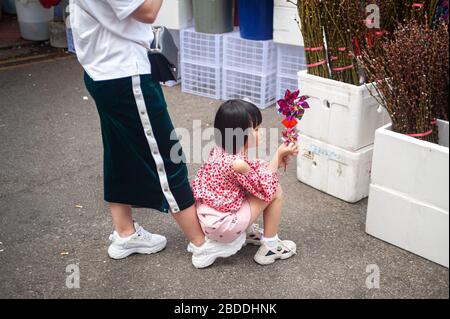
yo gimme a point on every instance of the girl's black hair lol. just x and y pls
(232, 120)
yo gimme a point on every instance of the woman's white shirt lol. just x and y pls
(107, 38)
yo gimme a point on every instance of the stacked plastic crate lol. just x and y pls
(201, 63)
(249, 70)
(291, 59)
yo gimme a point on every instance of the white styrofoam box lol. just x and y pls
(175, 14)
(201, 48)
(201, 80)
(411, 166)
(333, 170)
(286, 28)
(259, 89)
(284, 3)
(341, 114)
(291, 60)
(408, 201)
(255, 57)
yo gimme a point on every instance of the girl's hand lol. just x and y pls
(285, 152)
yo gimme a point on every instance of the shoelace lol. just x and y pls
(140, 231)
(285, 247)
(143, 233)
(256, 229)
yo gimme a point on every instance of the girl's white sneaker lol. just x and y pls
(284, 250)
(206, 254)
(254, 235)
(141, 242)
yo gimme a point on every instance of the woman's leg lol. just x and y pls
(272, 212)
(122, 219)
(188, 221)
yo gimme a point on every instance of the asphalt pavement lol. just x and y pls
(52, 215)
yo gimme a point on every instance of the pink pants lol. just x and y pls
(224, 227)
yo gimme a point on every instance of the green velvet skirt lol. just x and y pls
(139, 169)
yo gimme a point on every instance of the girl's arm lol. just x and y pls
(256, 178)
(260, 178)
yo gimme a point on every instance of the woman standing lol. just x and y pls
(135, 125)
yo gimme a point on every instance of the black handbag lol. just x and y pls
(163, 56)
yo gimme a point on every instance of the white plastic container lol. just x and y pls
(176, 14)
(286, 28)
(249, 70)
(409, 193)
(259, 89)
(284, 83)
(201, 63)
(201, 80)
(33, 19)
(254, 57)
(291, 60)
(58, 35)
(341, 114)
(333, 170)
(201, 48)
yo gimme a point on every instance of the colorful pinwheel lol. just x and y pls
(292, 107)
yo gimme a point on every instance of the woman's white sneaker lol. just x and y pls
(266, 255)
(207, 254)
(141, 242)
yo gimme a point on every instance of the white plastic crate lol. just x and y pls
(285, 83)
(201, 48)
(259, 89)
(291, 60)
(201, 80)
(255, 57)
(175, 14)
(333, 170)
(341, 114)
(408, 200)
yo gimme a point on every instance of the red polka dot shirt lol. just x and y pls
(220, 187)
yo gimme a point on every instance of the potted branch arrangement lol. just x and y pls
(339, 130)
(408, 201)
